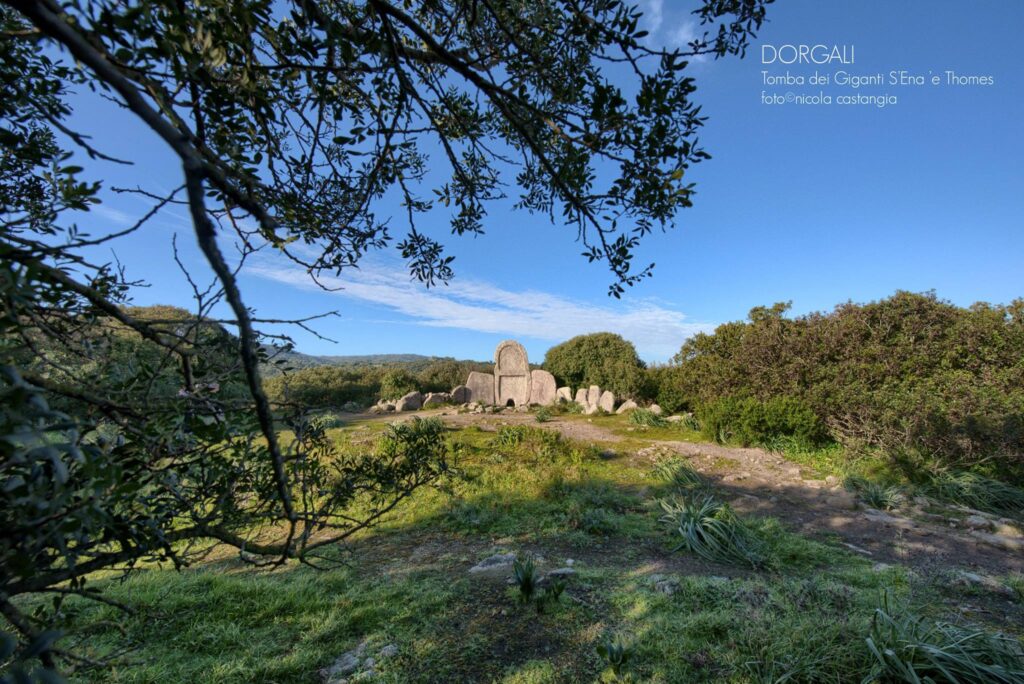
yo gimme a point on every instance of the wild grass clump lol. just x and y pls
(510, 436)
(976, 491)
(1016, 584)
(907, 648)
(710, 529)
(646, 418)
(543, 414)
(679, 474)
(529, 581)
(875, 494)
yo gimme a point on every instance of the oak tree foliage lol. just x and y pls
(131, 435)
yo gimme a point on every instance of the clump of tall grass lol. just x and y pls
(976, 491)
(646, 418)
(510, 436)
(711, 530)
(875, 494)
(678, 473)
(907, 648)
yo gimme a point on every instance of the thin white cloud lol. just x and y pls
(654, 15)
(466, 304)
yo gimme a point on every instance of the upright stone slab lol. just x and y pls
(460, 394)
(581, 396)
(564, 394)
(607, 401)
(593, 395)
(511, 374)
(542, 388)
(480, 387)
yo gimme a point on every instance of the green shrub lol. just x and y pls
(602, 359)
(543, 414)
(910, 373)
(397, 382)
(750, 421)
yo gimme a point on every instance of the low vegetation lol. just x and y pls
(712, 596)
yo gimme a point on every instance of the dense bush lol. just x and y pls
(752, 421)
(325, 386)
(602, 359)
(910, 374)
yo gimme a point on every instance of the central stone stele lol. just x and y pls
(511, 374)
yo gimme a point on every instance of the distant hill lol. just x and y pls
(297, 360)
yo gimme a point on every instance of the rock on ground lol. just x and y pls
(627, 405)
(606, 402)
(501, 562)
(655, 409)
(563, 394)
(410, 402)
(436, 399)
(460, 394)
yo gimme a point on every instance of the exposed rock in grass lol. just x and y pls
(498, 563)
(410, 402)
(999, 541)
(978, 522)
(881, 518)
(356, 665)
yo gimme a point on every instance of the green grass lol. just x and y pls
(528, 491)
(976, 491)
(909, 648)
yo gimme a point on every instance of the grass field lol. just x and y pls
(674, 615)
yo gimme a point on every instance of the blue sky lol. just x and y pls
(814, 204)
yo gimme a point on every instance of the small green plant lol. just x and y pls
(511, 436)
(875, 494)
(543, 414)
(907, 648)
(525, 574)
(646, 418)
(616, 652)
(678, 473)
(711, 530)
(550, 596)
(1016, 584)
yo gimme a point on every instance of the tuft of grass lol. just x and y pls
(526, 577)
(646, 418)
(711, 530)
(907, 648)
(976, 491)
(678, 473)
(543, 414)
(510, 436)
(875, 494)
(1016, 583)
